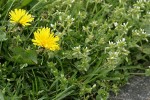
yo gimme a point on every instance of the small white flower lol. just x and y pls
(115, 24)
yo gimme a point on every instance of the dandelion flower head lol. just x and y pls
(43, 37)
(20, 16)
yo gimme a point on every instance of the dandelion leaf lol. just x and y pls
(2, 36)
(24, 56)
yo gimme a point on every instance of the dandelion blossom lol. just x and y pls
(45, 38)
(20, 16)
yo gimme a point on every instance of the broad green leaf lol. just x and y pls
(145, 49)
(147, 29)
(2, 2)
(147, 72)
(1, 96)
(2, 36)
(24, 56)
(24, 3)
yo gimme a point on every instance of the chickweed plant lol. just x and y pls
(71, 49)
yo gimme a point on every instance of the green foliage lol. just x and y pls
(24, 56)
(103, 43)
(147, 72)
(1, 96)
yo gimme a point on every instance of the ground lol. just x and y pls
(138, 88)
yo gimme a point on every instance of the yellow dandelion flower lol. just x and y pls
(20, 16)
(45, 38)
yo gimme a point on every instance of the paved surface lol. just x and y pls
(137, 89)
